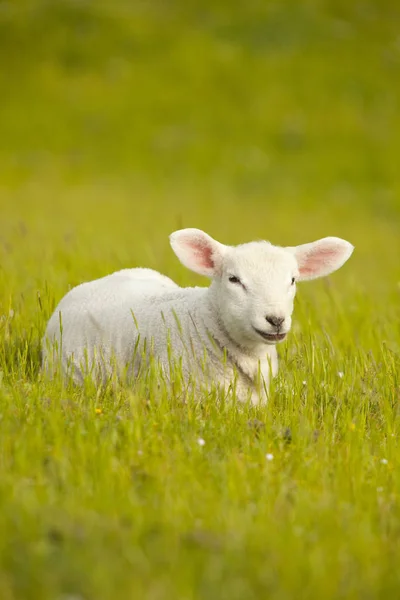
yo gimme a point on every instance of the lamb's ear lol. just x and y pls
(198, 251)
(322, 257)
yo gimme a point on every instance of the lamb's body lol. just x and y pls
(96, 327)
(223, 335)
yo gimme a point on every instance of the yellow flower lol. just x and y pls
(98, 411)
(352, 426)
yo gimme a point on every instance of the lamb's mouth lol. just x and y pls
(271, 337)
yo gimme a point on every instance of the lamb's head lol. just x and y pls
(254, 284)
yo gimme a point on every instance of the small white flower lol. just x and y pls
(384, 461)
(379, 489)
(304, 382)
(201, 442)
(140, 452)
(269, 456)
(340, 374)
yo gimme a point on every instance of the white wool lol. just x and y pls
(224, 334)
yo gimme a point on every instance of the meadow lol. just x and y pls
(121, 122)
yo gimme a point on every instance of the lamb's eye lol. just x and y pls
(293, 280)
(234, 279)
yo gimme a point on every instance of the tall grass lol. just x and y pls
(121, 122)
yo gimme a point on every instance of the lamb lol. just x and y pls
(223, 335)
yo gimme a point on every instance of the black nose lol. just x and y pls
(275, 321)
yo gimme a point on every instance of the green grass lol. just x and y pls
(121, 122)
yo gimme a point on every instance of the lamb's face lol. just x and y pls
(254, 284)
(255, 290)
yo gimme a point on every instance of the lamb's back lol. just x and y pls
(107, 315)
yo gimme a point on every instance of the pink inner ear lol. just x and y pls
(316, 259)
(203, 253)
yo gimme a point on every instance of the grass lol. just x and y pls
(120, 123)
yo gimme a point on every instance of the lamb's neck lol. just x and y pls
(243, 358)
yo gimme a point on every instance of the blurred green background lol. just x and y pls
(213, 114)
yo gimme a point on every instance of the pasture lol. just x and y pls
(120, 123)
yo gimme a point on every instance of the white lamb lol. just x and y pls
(223, 335)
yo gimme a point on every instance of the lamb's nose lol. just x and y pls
(275, 321)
